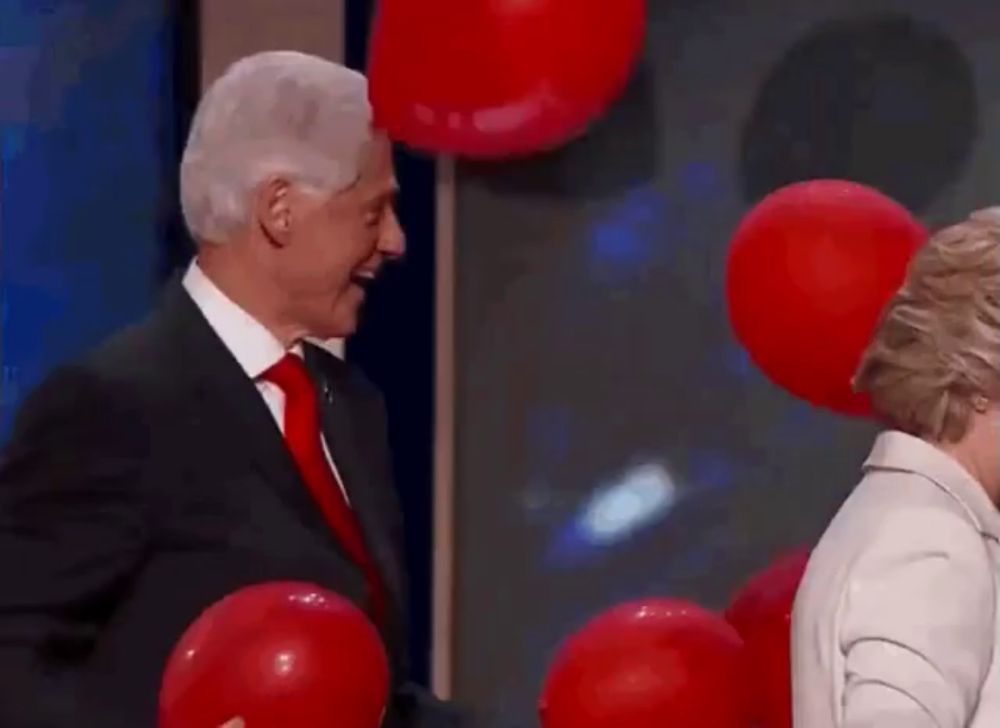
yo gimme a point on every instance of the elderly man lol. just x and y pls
(187, 457)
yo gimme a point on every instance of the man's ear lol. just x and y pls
(273, 209)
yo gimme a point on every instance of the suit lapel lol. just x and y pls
(244, 426)
(246, 430)
(343, 440)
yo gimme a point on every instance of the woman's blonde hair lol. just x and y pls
(937, 346)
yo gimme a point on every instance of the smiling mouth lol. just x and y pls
(363, 279)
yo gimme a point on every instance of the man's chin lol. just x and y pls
(333, 336)
(334, 345)
(338, 327)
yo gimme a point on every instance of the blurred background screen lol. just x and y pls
(613, 440)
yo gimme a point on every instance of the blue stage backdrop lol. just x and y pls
(89, 130)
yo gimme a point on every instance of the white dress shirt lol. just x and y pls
(896, 624)
(254, 347)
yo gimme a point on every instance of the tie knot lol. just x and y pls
(291, 376)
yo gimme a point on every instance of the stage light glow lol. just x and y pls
(638, 498)
(642, 495)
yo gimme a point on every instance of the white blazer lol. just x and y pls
(895, 624)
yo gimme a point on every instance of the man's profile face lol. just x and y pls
(338, 243)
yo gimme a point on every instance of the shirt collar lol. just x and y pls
(254, 347)
(895, 450)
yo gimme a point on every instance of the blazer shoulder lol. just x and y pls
(906, 495)
(77, 409)
(130, 352)
(892, 517)
(927, 525)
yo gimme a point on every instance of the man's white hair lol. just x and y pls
(278, 112)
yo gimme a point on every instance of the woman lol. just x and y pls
(896, 621)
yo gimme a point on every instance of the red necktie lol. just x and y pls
(302, 435)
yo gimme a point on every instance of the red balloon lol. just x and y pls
(495, 78)
(649, 664)
(810, 269)
(762, 613)
(277, 654)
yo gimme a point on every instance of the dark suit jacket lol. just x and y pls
(146, 482)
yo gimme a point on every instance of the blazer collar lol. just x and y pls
(899, 451)
(228, 397)
(249, 342)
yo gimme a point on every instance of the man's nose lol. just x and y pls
(392, 240)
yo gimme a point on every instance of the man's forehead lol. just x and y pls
(377, 163)
(376, 174)
(378, 150)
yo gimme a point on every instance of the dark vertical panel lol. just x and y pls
(183, 85)
(395, 346)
